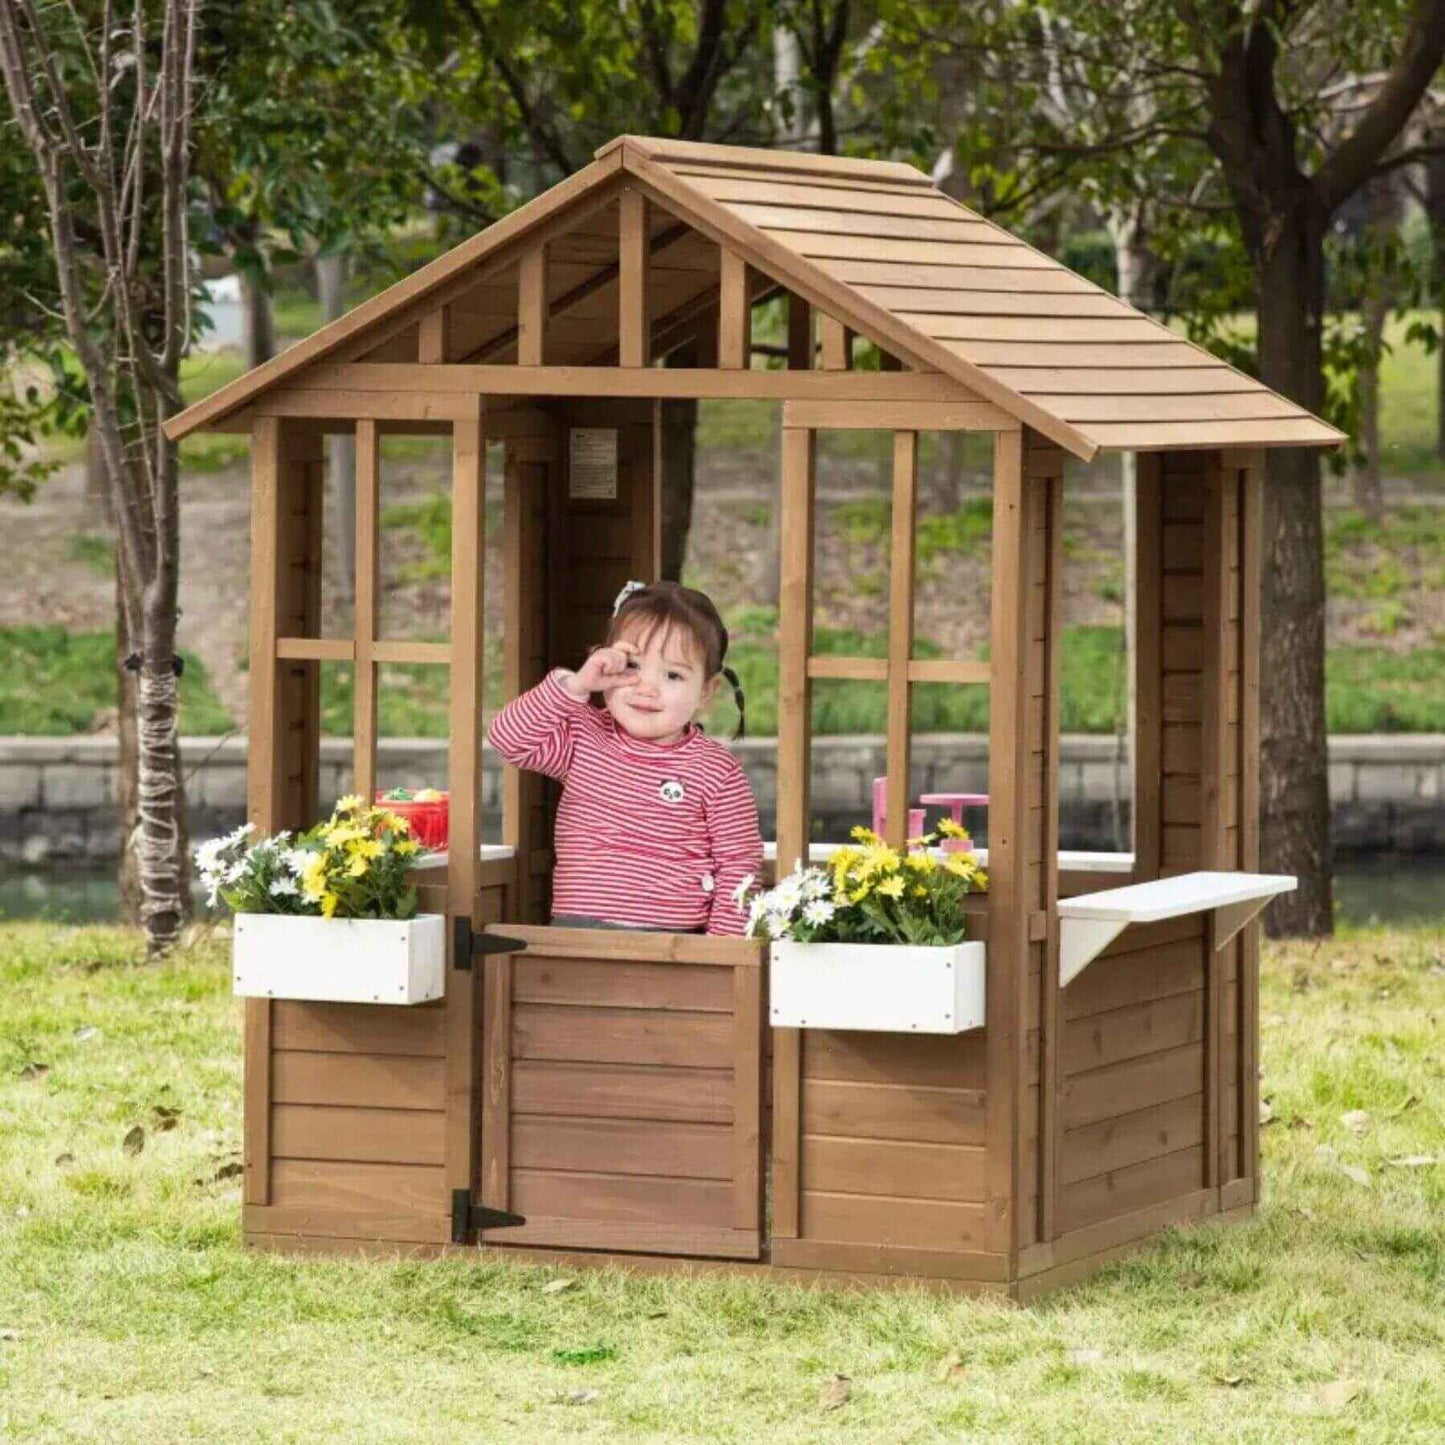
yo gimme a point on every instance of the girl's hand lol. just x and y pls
(606, 669)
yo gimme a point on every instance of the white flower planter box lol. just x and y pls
(895, 988)
(340, 960)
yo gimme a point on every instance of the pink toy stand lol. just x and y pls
(956, 803)
(880, 811)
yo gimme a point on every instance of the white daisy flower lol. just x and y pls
(741, 891)
(285, 888)
(818, 912)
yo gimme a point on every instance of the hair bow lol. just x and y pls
(628, 588)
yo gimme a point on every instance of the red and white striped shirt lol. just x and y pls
(653, 833)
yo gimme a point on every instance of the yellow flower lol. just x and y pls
(859, 894)
(368, 848)
(920, 862)
(864, 835)
(313, 879)
(350, 803)
(961, 865)
(328, 905)
(358, 866)
(406, 847)
(891, 887)
(951, 829)
(919, 891)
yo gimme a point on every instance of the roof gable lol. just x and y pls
(875, 245)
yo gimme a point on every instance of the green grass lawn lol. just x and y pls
(54, 683)
(130, 1313)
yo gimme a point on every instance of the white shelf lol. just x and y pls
(488, 852)
(1089, 923)
(1069, 860)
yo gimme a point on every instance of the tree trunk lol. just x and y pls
(679, 469)
(258, 329)
(1365, 477)
(127, 754)
(1294, 792)
(1435, 208)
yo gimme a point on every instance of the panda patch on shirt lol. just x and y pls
(671, 791)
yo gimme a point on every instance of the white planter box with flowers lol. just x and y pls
(329, 916)
(874, 941)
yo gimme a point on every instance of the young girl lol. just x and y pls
(657, 827)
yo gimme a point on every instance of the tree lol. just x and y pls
(1220, 112)
(104, 104)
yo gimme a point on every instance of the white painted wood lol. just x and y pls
(880, 987)
(1081, 941)
(340, 960)
(1070, 860)
(489, 853)
(1085, 921)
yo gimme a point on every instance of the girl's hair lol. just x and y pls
(670, 604)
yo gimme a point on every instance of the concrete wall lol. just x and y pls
(57, 795)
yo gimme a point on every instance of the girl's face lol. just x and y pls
(670, 688)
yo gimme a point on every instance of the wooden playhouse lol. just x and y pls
(611, 1094)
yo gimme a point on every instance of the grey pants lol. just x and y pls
(576, 920)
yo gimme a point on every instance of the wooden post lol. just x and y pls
(795, 635)
(900, 633)
(1148, 669)
(1007, 871)
(800, 334)
(734, 314)
(532, 306)
(1251, 524)
(368, 555)
(464, 779)
(837, 344)
(433, 333)
(634, 325)
(284, 721)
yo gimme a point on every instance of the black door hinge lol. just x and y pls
(468, 1218)
(467, 944)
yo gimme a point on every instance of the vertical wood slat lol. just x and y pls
(1251, 524)
(747, 1097)
(496, 1122)
(795, 636)
(835, 340)
(368, 555)
(1050, 1055)
(634, 326)
(734, 314)
(433, 334)
(1214, 733)
(464, 776)
(532, 306)
(1008, 818)
(900, 633)
(262, 784)
(800, 334)
(1148, 668)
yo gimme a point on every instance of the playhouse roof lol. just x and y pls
(874, 244)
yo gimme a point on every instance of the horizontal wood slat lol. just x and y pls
(380, 1136)
(619, 1091)
(1134, 1084)
(1128, 1139)
(699, 1203)
(357, 1028)
(621, 985)
(951, 1061)
(884, 1111)
(621, 1036)
(366, 1080)
(621, 1146)
(407, 1189)
(1135, 1187)
(878, 1219)
(835, 1164)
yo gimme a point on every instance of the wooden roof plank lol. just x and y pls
(1297, 431)
(1252, 405)
(848, 196)
(818, 245)
(995, 272)
(1112, 329)
(944, 224)
(927, 302)
(657, 148)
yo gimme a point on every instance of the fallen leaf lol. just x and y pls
(1266, 1112)
(1300, 1122)
(9, 1336)
(951, 1367)
(228, 1171)
(835, 1393)
(1085, 1357)
(1353, 1171)
(1410, 1101)
(658, 1315)
(1357, 1119)
(134, 1141)
(162, 1126)
(86, 1032)
(22, 1211)
(1415, 1161)
(1338, 1392)
(34, 1070)
(61, 1160)
(1231, 1380)
(556, 1286)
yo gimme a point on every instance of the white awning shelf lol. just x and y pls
(1089, 923)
